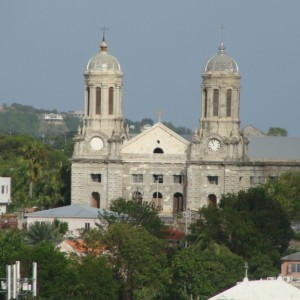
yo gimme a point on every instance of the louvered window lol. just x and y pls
(111, 101)
(216, 103)
(98, 101)
(228, 103)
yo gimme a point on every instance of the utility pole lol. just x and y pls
(14, 286)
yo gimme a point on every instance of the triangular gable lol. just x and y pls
(157, 136)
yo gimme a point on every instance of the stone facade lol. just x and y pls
(158, 165)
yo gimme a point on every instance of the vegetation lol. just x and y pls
(138, 263)
(277, 131)
(137, 213)
(51, 232)
(251, 224)
(40, 174)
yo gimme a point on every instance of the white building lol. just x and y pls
(5, 193)
(158, 164)
(274, 289)
(76, 216)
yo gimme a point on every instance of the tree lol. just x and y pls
(11, 244)
(57, 277)
(139, 261)
(197, 273)
(40, 175)
(137, 213)
(95, 278)
(286, 190)
(35, 160)
(249, 223)
(46, 231)
(277, 131)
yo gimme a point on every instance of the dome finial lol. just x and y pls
(103, 45)
(222, 47)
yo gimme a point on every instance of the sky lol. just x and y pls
(162, 47)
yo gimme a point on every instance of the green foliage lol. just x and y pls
(203, 273)
(57, 279)
(137, 213)
(40, 175)
(286, 190)
(277, 131)
(139, 125)
(38, 232)
(250, 224)
(139, 261)
(95, 279)
(11, 245)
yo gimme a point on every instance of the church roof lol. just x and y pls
(103, 61)
(260, 290)
(221, 63)
(70, 211)
(274, 147)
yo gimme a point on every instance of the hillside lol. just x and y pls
(25, 119)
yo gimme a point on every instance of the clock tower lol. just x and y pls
(219, 136)
(96, 153)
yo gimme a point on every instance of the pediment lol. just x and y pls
(157, 136)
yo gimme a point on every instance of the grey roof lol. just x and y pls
(103, 61)
(221, 63)
(274, 147)
(294, 256)
(70, 211)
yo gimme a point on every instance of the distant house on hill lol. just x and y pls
(53, 119)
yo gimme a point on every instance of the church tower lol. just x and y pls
(218, 147)
(219, 137)
(98, 142)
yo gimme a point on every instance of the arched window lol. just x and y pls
(205, 103)
(178, 204)
(88, 102)
(136, 195)
(95, 199)
(111, 101)
(157, 201)
(216, 103)
(228, 103)
(98, 101)
(212, 200)
(158, 150)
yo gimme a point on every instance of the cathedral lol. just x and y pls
(160, 166)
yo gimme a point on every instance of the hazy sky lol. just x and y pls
(162, 46)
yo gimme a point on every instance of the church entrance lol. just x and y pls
(157, 201)
(95, 200)
(178, 203)
(212, 199)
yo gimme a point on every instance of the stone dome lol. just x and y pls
(103, 61)
(221, 63)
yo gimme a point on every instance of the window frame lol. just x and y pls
(137, 178)
(158, 178)
(213, 180)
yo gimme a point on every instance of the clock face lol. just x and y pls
(96, 143)
(214, 145)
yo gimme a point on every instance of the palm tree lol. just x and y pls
(43, 231)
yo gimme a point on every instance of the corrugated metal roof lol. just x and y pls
(274, 147)
(70, 211)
